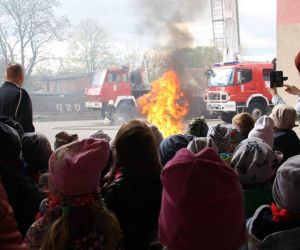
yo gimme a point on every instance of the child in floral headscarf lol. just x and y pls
(255, 162)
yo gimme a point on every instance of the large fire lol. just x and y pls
(165, 105)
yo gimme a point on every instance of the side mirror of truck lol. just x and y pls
(209, 73)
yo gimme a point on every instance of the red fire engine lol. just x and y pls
(113, 92)
(235, 87)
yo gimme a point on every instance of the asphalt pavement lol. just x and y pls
(83, 127)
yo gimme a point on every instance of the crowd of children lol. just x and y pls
(210, 188)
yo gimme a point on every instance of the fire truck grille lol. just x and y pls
(214, 96)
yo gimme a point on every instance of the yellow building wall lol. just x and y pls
(288, 45)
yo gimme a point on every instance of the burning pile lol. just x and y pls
(165, 106)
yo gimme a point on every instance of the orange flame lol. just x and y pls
(165, 105)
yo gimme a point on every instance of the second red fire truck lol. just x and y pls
(235, 87)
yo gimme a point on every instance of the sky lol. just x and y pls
(257, 25)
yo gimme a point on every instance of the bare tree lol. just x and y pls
(153, 63)
(89, 45)
(26, 28)
(133, 58)
(149, 61)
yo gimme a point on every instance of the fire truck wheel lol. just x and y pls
(257, 110)
(126, 111)
(227, 116)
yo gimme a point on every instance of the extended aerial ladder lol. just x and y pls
(226, 35)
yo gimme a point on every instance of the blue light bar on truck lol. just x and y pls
(217, 64)
(226, 63)
(232, 62)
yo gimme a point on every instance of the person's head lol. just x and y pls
(135, 148)
(284, 117)
(15, 73)
(197, 127)
(170, 145)
(158, 137)
(244, 121)
(74, 173)
(10, 143)
(297, 61)
(220, 136)
(263, 129)
(201, 197)
(286, 187)
(75, 168)
(199, 143)
(255, 162)
(36, 150)
(100, 135)
(62, 138)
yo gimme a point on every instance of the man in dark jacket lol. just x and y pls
(14, 100)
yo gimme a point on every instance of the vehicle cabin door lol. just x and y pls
(111, 85)
(124, 87)
(246, 84)
(117, 84)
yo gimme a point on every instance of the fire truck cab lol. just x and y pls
(113, 91)
(236, 87)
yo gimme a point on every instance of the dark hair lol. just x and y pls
(135, 148)
(198, 127)
(14, 70)
(10, 143)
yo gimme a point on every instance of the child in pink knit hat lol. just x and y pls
(76, 217)
(202, 203)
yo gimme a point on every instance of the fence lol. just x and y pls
(61, 107)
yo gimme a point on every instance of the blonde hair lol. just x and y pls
(67, 227)
(244, 121)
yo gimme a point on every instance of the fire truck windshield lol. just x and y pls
(99, 78)
(221, 78)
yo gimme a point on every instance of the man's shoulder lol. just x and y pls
(9, 86)
(24, 92)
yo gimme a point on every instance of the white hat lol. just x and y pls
(284, 116)
(199, 143)
(255, 162)
(263, 129)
